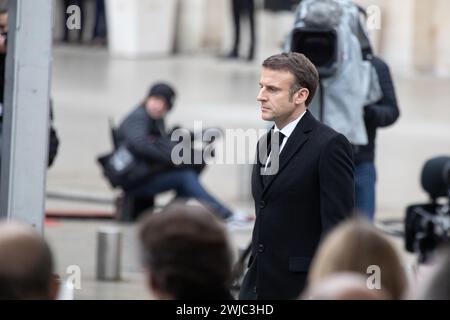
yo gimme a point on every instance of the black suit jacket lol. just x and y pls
(311, 193)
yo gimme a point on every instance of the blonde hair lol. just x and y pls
(354, 246)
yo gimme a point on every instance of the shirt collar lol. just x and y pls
(289, 128)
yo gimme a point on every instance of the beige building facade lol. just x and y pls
(412, 35)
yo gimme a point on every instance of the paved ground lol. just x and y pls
(89, 87)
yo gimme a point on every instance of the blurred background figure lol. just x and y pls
(99, 34)
(354, 246)
(143, 131)
(67, 32)
(382, 113)
(239, 9)
(344, 286)
(186, 254)
(26, 264)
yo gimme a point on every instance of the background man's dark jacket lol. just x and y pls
(312, 192)
(380, 114)
(148, 140)
(146, 137)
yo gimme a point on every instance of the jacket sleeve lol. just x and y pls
(337, 186)
(384, 112)
(134, 132)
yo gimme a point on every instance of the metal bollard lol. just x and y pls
(109, 245)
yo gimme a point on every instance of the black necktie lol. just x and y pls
(280, 137)
(276, 136)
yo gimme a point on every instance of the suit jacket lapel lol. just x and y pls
(293, 145)
(260, 162)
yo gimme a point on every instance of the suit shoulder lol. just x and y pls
(325, 133)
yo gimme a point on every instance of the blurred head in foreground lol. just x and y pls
(344, 286)
(356, 246)
(26, 264)
(186, 253)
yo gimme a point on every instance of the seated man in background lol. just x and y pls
(26, 264)
(186, 254)
(143, 132)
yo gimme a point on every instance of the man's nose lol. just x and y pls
(261, 96)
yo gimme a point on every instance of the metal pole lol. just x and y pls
(109, 250)
(26, 114)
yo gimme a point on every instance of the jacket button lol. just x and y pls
(254, 289)
(261, 248)
(262, 204)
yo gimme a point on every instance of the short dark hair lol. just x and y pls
(304, 71)
(186, 250)
(165, 91)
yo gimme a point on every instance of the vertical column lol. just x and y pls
(424, 47)
(398, 25)
(26, 115)
(442, 43)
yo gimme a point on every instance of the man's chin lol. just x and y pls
(266, 117)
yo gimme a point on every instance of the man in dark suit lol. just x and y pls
(302, 189)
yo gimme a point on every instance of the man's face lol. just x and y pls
(275, 97)
(157, 107)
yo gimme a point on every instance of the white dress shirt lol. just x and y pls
(286, 131)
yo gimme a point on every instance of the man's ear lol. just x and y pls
(301, 96)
